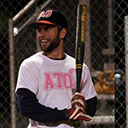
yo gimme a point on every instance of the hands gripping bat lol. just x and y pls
(80, 42)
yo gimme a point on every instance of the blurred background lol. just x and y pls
(105, 54)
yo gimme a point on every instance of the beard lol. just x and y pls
(51, 46)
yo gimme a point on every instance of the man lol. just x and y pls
(46, 80)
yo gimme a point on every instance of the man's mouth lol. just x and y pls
(44, 41)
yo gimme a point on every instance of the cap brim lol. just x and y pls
(35, 24)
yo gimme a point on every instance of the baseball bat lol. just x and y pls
(80, 42)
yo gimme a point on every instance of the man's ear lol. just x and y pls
(63, 33)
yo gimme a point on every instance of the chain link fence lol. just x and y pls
(104, 52)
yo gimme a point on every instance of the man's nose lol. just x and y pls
(42, 32)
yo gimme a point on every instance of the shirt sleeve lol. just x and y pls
(27, 76)
(87, 85)
(31, 108)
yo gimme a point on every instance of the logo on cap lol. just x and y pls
(45, 14)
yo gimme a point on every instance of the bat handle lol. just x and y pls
(79, 65)
(79, 72)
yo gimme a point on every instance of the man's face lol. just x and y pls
(48, 37)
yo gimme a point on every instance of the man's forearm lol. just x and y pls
(31, 108)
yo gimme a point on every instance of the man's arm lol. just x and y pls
(31, 108)
(91, 106)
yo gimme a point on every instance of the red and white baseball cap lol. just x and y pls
(52, 17)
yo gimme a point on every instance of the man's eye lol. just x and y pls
(39, 30)
(47, 28)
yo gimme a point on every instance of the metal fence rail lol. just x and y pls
(105, 51)
(126, 63)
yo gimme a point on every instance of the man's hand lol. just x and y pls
(78, 113)
(79, 100)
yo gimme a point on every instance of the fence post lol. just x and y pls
(126, 65)
(37, 40)
(12, 75)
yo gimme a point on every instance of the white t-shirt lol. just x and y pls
(53, 81)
